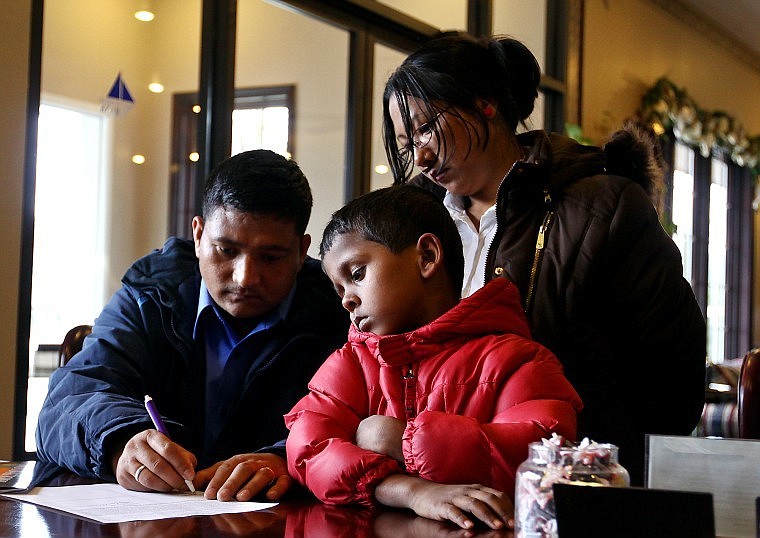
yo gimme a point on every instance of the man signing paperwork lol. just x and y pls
(223, 332)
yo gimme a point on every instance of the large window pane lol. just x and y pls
(86, 44)
(121, 211)
(277, 46)
(683, 207)
(716, 262)
(70, 183)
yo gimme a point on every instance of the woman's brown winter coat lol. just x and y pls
(602, 285)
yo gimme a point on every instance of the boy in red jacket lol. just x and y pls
(433, 401)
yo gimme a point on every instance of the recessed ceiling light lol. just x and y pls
(144, 11)
(144, 15)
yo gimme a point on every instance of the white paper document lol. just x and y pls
(111, 503)
(727, 468)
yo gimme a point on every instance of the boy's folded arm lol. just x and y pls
(321, 446)
(323, 457)
(482, 452)
(447, 448)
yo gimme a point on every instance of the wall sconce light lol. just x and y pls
(145, 11)
(381, 169)
(156, 87)
(194, 156)
(138, 159)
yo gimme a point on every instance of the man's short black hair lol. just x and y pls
(260, 182)
(396, 217)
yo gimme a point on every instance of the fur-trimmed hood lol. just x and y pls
(633, 152)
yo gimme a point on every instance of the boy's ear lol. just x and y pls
(430, 254)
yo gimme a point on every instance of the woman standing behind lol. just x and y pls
(572, 226)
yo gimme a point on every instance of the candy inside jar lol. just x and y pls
(553, 461)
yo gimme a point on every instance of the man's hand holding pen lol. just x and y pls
(165, 465)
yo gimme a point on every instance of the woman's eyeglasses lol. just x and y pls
(421, 135)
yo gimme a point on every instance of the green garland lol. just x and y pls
(668, 108)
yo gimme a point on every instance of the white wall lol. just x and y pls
(629, 44)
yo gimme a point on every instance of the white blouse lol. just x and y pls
(474, 242)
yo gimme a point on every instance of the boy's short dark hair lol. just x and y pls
(260, 182)
(396, 217)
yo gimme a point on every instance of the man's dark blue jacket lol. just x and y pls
(142, 344)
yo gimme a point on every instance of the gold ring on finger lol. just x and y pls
(274, 476)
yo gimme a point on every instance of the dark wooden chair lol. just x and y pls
(72, 343)
(749, 396)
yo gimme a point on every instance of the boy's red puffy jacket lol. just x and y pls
(482, 391)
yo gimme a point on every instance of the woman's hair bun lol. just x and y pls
(521, 71)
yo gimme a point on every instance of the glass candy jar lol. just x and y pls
(554, 461)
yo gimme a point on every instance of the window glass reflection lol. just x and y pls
(386, 60)
(102, 171)
(277, 46)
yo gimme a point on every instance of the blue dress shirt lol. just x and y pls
(229, 357)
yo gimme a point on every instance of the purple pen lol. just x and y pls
(150, 405)
(155, 416)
